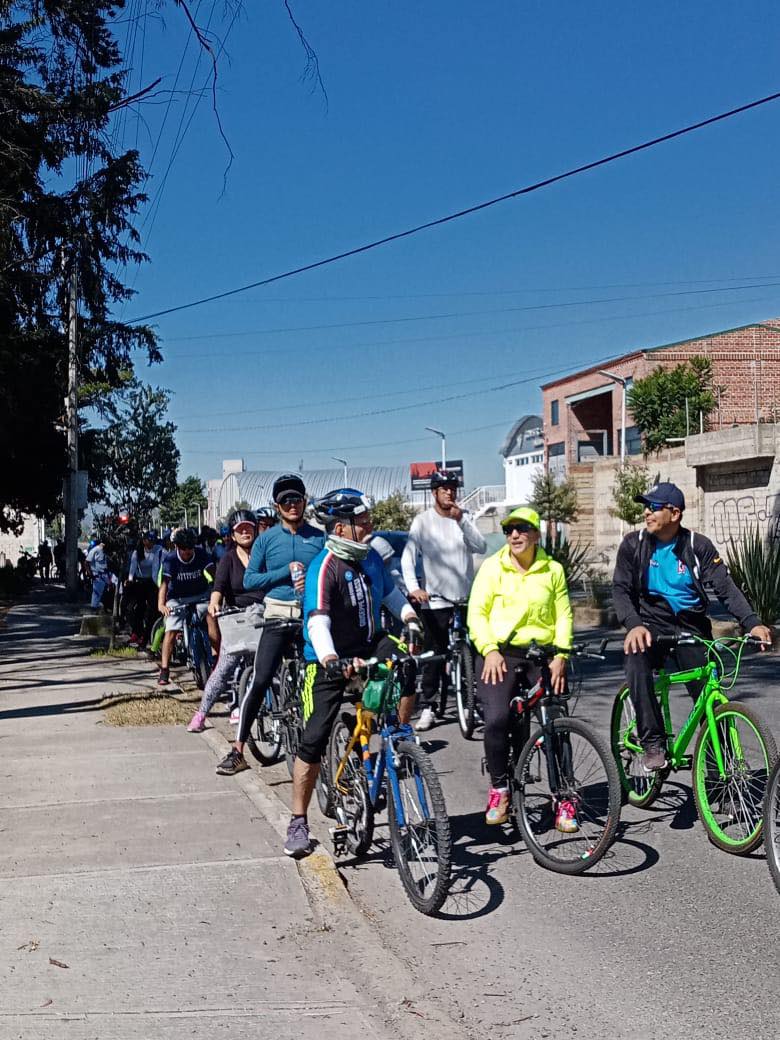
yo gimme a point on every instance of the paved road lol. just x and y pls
(668, 938)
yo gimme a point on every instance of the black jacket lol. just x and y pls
(636, 606)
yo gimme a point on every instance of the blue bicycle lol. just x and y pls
(398, 774)
(196, 645)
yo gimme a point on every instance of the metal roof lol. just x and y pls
(254, 486)
(519, 440)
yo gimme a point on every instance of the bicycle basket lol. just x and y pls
(238, 632)
(380, 695)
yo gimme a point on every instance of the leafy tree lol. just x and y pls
(658, 402)
(187, 496)
(392, 513)
(554, 502)
(136, 452)
(630, 480)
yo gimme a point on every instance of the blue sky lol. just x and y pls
(433, 107)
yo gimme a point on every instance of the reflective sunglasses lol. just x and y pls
(291, 499)
(657, 507)
(521, 526)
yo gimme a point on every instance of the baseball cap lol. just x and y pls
(288, 482)
(663, 495)
(530, 516)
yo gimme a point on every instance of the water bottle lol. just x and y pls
(297, 571)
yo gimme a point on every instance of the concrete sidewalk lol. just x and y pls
(142, 896)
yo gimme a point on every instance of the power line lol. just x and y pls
(467, 211)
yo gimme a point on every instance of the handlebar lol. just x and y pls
(543, 653)
(381, 665)
(452, 602)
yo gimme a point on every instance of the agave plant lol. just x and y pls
(754, 562)
(572, 556)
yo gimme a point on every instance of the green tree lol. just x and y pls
(630, 480)
(658, 402)
(392, 513)
(135, 454)
(555, 502)
(187, 496)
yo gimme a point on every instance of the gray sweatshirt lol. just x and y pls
(445, 546)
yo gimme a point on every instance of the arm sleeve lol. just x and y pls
(319, 588)
(626, 608)
(716, 573)
(320, 636)
(564, 618)
(478, 617)
(409, 558)
(134, 571)
(256, 577)
(472, 535)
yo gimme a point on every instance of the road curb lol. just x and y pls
(405, 1003)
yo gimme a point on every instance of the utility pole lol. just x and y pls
(72, 419)
(440, 433)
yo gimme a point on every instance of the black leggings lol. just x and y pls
(143, 610)
(268, 657)
(437, 637)
(639, 677)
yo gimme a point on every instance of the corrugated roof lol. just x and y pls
(254, 486)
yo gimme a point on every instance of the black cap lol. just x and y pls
(285, 484)
(663, 495)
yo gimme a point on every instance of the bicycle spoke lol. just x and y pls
(735, 801)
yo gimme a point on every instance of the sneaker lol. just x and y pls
(134, 640)
(497, 807)
(164, 678)
(235, 716)
(298, 843)
(566, 818)
(198, 723)
(233, 762)
(654, 758)
(426, 719)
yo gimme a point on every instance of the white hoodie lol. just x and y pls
(445, 546)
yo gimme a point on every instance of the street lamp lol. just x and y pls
(440, 433)
(623, 382)
(344, 464)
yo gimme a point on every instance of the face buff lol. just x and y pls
(352, 552)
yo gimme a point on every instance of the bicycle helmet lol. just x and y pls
(267, 514)
(287, 482)
(342, 504)
(184, 538)
(224, 531)
(441, 479)
(241, 516)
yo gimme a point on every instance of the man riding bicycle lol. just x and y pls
(345, 588)
(658, 590)
(445, 537)
(187, 572)
(519, 596)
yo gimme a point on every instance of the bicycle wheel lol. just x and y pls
(587, 779)
(772, 825)
(352, 806)
(640, 788)
(419, 828)
(731, 809)
(199, 657)
(265, 734)
(290, 701)
(465, 691)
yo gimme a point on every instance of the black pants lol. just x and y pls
(143, 606)
(268, 657)
(639, 677)
(437, 627)
(322, 697)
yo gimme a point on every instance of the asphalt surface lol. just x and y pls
(667, 937)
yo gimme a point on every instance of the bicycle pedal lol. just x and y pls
(339, 838)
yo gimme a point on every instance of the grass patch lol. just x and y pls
(118, 651)
(148, 709)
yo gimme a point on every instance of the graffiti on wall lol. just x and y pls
(735, 516)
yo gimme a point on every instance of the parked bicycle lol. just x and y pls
(733, 755)
(560, 761)
(460, 670)
(772, 824)
(399, 775)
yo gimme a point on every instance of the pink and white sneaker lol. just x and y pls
(566, 818)
(235, 716)
(497, 807)
(198, 723)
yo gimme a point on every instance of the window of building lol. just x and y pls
(633, 441)
(557, 449)
(554, 416)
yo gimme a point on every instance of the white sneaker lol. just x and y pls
(235, 716)
(426, 719)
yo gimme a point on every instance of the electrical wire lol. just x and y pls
(437, 222)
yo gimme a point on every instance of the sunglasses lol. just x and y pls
(290, 500)
(521, 527)
(658, 507)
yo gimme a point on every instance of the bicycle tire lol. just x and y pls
(639, 788)
(290, 702)
(465, 691)
(409, 756)
(589, 845)
(198, 655)
(265, 734)
(772, 825)
(710, 793)
(351, 797)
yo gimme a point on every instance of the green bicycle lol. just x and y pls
(733, 755)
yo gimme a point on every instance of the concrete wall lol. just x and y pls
(12, 546)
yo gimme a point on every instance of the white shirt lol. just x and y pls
(446, 547)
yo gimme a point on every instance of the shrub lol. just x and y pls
(754, 563)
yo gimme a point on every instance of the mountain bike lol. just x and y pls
(733, 755)
(772, 824)
(277, 729)
(400, 775)
(459, 669)
(195, 641)
(559, 761)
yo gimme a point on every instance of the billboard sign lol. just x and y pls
(421, 473)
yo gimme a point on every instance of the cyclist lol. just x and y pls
(445, 537)
(519, 595)
(266, 518)
(658, 589)
(187, 572)
(97, 569)
(145, 563)
(346, 585)
(228, 591)
(292, 541)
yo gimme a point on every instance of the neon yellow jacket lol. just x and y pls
(536, 603)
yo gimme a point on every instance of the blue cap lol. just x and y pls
(663, 495)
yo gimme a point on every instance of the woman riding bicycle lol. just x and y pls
(519, 595)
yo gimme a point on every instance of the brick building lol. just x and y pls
(582, 413)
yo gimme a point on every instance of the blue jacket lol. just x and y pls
(272, 554)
